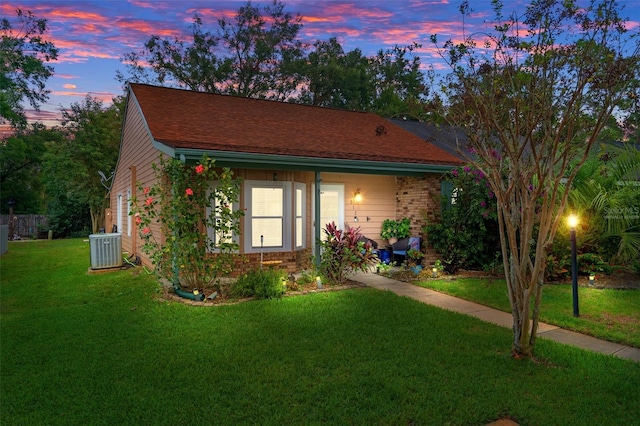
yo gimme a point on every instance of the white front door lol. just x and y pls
(331, 206)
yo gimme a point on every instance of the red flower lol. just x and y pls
(199, 168)
(189, 192)
(149, 201)
(146, 231)
(146, 190)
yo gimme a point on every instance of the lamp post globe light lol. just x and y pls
(572, 221)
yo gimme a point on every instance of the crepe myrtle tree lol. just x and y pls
(533, 94)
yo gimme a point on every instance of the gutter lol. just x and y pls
(315, 164)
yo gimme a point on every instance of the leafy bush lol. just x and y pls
(260, 283)
(558, 267)
(343, 253)
(591, 263)
(467, 234)
(396, 228)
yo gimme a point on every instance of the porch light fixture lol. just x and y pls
(357, 196)
(357, 199)
(572, 221)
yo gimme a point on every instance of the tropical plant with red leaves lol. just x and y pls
(343, 252)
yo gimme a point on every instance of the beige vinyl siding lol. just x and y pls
(137, 152)
(378, 200)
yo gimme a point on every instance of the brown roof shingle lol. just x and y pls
(186, 119)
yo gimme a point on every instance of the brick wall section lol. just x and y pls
(292, 262)
(418, 198)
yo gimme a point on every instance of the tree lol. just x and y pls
(260, 54)
(93, 139)
(250, 56)
(24, 72)
(335, 78)
(399, 81)
(21, 168)
(533, 101)
(388, 83)
(194, 66)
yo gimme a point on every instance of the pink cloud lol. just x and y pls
(69, 86)
(67, 76)
(105, 97)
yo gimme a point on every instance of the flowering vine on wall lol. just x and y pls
(193, 245)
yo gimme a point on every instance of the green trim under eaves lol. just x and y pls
(287, 162)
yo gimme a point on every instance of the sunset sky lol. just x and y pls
(92, 35)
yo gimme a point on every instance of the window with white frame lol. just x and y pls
(268, 216)
(299, 213)
(217, 236)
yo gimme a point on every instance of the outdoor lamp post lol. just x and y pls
(573, 221)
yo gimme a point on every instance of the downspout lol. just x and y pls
(317, 216)
(134, 225)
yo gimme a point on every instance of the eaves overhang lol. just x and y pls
(300, 163)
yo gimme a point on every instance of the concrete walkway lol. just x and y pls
(495, 316)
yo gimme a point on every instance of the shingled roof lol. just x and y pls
(236, 129)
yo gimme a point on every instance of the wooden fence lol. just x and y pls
(26, 225)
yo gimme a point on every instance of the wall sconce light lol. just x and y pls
(357, 196)
(275, 176)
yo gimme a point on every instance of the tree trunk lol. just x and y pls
(97, 219)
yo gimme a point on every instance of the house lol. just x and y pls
(350, 167)
(448, 138)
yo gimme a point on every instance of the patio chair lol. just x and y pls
(400, 247)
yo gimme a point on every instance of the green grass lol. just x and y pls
(613, 315)
(105, 349)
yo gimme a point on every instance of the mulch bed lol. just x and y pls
(223, 300)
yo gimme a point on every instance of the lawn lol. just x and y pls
(106, 349)
(608, 314)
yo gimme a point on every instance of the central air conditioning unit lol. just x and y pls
(106, 250)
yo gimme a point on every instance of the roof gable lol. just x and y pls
(186, 120)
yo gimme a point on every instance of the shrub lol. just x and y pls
(343, 254)
(558, 267)
(467, 235)
(395, 228)
(260, 283)
(591, 263)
